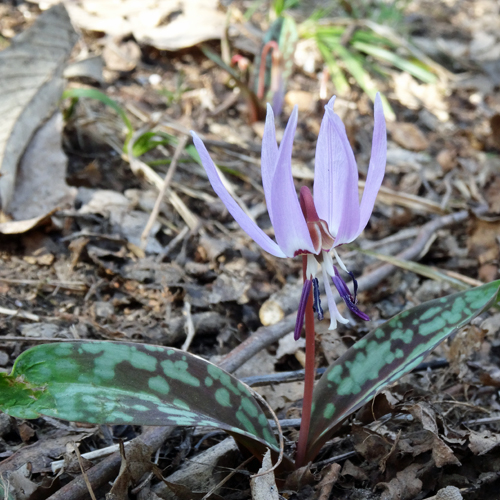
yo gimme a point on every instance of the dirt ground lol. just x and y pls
(83, 271)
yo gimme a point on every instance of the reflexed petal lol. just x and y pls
(289, 224)
(376, 168)
(299, 323)
(332, 306)
(269, 156)
(336, 179)
(247, 224)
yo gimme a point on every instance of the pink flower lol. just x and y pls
(312, 226)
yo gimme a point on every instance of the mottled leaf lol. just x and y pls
(122, 383)
(387, 353)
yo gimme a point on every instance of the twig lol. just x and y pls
(19, 314)
(189, 326)
(140, 169)
(267, 335)
(298, 375)
(84, 474)
(227, 478)
(91, 455)
(166, 182)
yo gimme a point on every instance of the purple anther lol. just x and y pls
(351, 302)
(306, 290)
(316, 299)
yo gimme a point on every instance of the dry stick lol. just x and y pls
(267, 335)
(309, 375)
(107, 470)
(168, 178)
(84, 474)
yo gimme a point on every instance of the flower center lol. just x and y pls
(318, 228)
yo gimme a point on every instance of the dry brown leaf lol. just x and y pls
(32, 84)
(264, 487)
(164, 24)
(482, 442)
(121, 56)
(408, 136)
(405, 486)
(22, 226)
(41, 177)
(354, 471)
(299, 478)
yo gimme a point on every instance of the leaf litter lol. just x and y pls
(437, 429)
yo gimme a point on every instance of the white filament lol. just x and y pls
(312, 266)
(332, 306)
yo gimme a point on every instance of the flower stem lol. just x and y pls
(309, 377)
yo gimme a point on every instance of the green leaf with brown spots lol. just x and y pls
(387, 353)
(122, 383)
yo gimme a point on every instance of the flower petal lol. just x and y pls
(290, 227)
(247, 224)
(269, 156)
(336, 179)
(376, 168)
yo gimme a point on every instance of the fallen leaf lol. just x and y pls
(164, 24)
(482, 442)
(264, 487)
(32, 83)
(22, 226)
(40, 185)
(408, 136)
(121, 56)
(405, 486)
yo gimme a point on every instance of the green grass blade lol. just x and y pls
(339, 80)
(97, 94)
(392, 58)
(387, 353)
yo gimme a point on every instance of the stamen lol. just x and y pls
(328, 263)
(334, 312)
(317, 300)
(344, 292)
(355, 285)
(312, 267)
(339, 260)
(306, 290)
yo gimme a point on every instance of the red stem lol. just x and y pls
(309, 377)
(262, 70)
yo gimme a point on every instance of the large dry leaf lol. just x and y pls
(165, 24)
(40, 185)
(32, 83)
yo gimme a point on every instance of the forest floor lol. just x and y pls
(80, 267)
